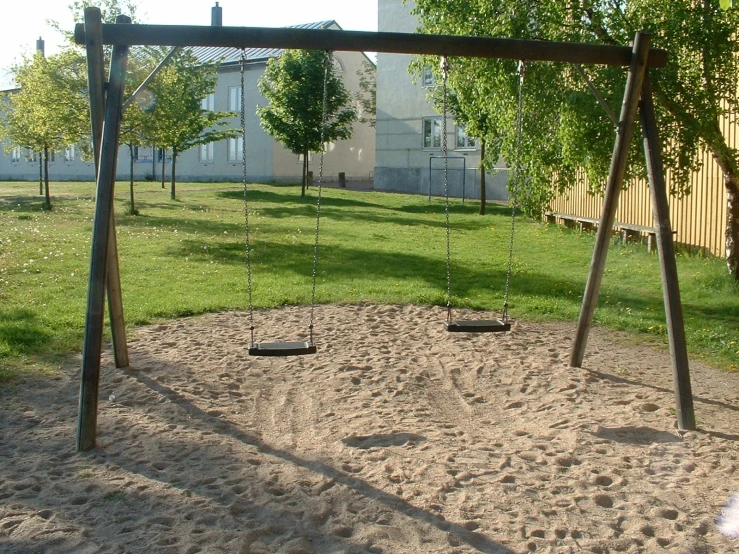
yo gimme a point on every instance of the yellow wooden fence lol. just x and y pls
(698, 219)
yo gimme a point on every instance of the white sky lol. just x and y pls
(24, 21)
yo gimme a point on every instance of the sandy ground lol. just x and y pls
(397, 437)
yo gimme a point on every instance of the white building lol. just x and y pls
(409, 130)
(266, 159)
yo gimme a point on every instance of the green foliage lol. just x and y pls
(109, 10)
(293, 85)
(367, 95)
(566, 130)
(177, 120)
(49, 110)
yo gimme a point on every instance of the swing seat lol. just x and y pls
(282, 349)
(478, 326)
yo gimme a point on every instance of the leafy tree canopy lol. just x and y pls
(177, 121)
(293, 85)
(565, 129)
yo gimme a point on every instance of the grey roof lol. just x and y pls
(230, 56)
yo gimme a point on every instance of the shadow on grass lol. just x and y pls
(21, 332)
(338, 209)
(338, 264)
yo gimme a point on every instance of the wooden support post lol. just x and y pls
(95, 70)
(90, 379)
(668, 265)
(624, 134)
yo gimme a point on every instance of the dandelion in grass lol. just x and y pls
(728, 523)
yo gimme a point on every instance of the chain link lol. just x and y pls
(327, 67)
(444, 150)
(246, 198)
(517, 175)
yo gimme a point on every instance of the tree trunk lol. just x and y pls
(164, 162)
(483, 191)
(174, 165)
(722, 154)
(305, 173)
(47, 201)
(732, 224)
(132, 208)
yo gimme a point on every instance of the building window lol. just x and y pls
(69, 153)
(310, 158)
(15, 154)
(234, 99)
(427, 77)
(235, 149)
(206, 152)
(143, 153)
(432, 132)
(208, 103)
(463, 141)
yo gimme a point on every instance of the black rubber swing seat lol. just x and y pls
(282, 349)
(478, 326)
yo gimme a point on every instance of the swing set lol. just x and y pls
(106, 102)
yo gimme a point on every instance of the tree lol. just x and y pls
(136, 128)
(566, 131)
(367, 95)
(293, 85)
(109, 10)
(177, 120)
(49, 111)
(467, 103)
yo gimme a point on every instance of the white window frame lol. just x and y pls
(15, 154)
(338, 65)
(208, 103)
(235, 149)
(428, 79)
(205, 152)
(468, 143)
(234, 99)
(143, 154)
(69, 153)
(431, 130)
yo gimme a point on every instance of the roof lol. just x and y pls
(229, 56)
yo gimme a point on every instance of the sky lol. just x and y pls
(24, 21)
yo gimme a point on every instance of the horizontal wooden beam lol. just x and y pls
(365, 41)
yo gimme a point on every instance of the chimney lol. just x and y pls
(216, 16)
(40, 45)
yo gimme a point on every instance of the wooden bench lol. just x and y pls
(626, 231)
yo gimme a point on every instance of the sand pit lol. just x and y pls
(397, 437)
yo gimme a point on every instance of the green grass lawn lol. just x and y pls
(187, 256)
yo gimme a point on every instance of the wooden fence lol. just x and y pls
(698, 220)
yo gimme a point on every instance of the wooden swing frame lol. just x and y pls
(106, 101)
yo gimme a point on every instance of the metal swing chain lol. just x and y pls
(324, 107)
(246, 197)
(516, 182)
(444, 150)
